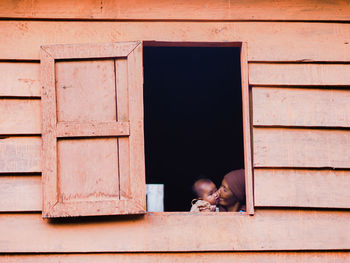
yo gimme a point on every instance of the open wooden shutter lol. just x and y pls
(92, 129)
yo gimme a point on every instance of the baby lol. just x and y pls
(207, 196)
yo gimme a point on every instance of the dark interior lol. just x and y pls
(193, 118)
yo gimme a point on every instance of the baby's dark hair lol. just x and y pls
(195, 189)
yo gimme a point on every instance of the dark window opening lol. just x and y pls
(192, 118)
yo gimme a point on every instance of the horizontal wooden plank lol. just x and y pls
(273, 188)
(301, 107)
(210, 257)
(271, 106)
(19, 79)
(23, 193)
(302, 188)
(180, 9)
(267, 41)
(109, 206)
(281, 147)
(19, 116)
(266, 230)
(74, 129)
(299, 74)
(20, 154)
(20, 193)
(273, 147)
(85, 51)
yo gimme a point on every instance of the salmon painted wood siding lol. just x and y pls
(268, 229)
(267, 41)
(299, 82)
(337, 10)
(210, 257)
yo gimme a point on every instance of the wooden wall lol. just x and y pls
(299, 74)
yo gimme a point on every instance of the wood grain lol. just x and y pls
(81, 177)
(266, 230)
(87, 170)
(273, 188)
(20, 154)
(299, 74)
(301, 107)
(122, 97)
(85, 90)
(248, 160)
(302, 188)
(210, 257)
(18, 116)
(49, 137)
(137, 176)
(282, 147)
(179, 10)
(90, 50)
(80, 129)
(272, 147)
(20, 193)
(268, 41)
(20, 79)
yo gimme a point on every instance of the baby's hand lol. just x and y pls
(213, 208)
(208, 208)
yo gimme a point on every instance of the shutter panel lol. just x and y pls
(92, 129)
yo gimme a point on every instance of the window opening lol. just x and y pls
(192, 118)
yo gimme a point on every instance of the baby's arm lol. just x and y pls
(210, 208)
(206, 207)
(202, 206)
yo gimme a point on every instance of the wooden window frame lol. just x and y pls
(53, 130)
(246, 109)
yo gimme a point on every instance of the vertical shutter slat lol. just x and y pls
(49, 141)
(123, 115)
(137, 162)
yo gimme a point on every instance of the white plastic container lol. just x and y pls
(155, 197)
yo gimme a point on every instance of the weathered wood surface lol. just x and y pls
(136, 182)
(301, 107)
(271, 106)
(282, 147)
(19, 116)
(90, 50)
(49, 138)
(87, 170)
(81, 129)
(81, 176)
(299, 74)
(20, 154)
(273, 187)
(22, 79)
(210, 257)
(178, 10)
(247, 142)
(302, 188)
(20, 193)
(273, 147)
(267, 41)
(122, 97)
(85, 90)
(19, 79)
(266, 230)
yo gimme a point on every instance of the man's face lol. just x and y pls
(227, 198)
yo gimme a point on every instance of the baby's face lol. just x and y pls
(209, 193)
